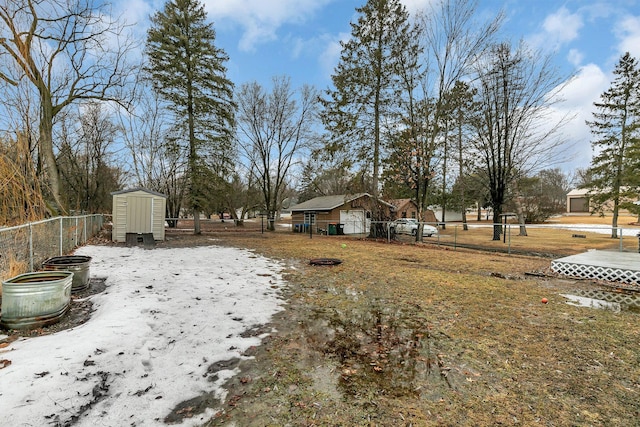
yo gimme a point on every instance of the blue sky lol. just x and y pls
(300, 39)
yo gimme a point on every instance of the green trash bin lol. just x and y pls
(333, 229)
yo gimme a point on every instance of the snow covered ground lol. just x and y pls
(166, 317)
(591, 228)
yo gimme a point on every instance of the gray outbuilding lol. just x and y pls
(138, 211)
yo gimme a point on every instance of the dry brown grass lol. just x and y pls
(401, 334)
(20, 194)
(15, 268)
(623, 219)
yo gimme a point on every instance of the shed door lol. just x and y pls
(354, 221)
(139, 214)
(578, 204)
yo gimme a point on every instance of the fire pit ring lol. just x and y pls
(325, 261)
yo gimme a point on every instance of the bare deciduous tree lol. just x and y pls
(273, 130)
(155, 163)
(68, 50)
(515, 132)
(87, 158)
(450, 41)
(454, 40)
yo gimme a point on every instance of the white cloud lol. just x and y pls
(135, 15)
(414, 6)
(331, 54)
(575, 57)
(299, 46)
(260, 20)
(579, 95)
(135, 12)
(628, 32)
(562, 26)
(585, 88)
(598, 11)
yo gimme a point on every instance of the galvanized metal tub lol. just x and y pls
(32, 300)
(77, 264)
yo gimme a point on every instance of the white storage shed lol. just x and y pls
(138, 211)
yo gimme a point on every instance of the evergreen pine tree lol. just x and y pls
(616, 131)
(365, 80)
(188, 71)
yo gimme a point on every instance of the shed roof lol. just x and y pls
(578, 192)
(327, 203)
(131, 190)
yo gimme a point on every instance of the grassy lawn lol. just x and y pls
(404, 334)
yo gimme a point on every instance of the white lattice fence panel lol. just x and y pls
(609, 274)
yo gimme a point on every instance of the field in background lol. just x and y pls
(579, 233)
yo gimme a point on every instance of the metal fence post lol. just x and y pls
(30, 248)
(455, 237)
(61, 232)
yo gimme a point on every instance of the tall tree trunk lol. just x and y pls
(48, 156)
(463, 205)
(193, 153)
(444, 177)
(521, 219)
(421, 196)
(465, 225)
(614, 222)
(271, 219)
(497, 224)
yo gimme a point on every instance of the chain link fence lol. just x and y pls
(547, 238)
(23, 248)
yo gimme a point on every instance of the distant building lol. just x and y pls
(578, 201)
(346, 213)
(407, 208)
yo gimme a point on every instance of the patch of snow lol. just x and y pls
(165, 317)
(599, 229)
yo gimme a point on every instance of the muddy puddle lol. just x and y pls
(383, 350)
(604, 300)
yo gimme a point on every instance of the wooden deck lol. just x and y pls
(611, 266)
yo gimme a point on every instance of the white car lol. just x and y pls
(410, 226)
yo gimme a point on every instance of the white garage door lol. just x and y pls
(354, 222)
